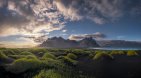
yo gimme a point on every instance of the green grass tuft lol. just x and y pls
(3, 56)
(72, 56)
(26, 53)
(48, 55)
(68, 60)
(103, 55)
(117, 53)
(23, 64)
(132, 53)
(49, 74)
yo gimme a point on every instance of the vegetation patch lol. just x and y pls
(102, 55)
(23, 64)
(72, 56)
(69, 61)
(132, 53)
(58, 63)
(115, 52)
(4, 59)
(48, 55)
(22, 56)
(26, 53)
(2, 56)
(50, 74)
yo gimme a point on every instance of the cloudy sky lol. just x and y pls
(29, 22)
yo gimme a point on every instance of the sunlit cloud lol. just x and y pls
(29, 17)
(64, 30)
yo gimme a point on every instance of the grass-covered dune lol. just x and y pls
(69, 63)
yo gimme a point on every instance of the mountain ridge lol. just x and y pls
(59, 42)
(119, 43)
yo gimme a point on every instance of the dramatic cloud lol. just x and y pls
(96, 35)
(37, 39)
(31, 17)
(97, 10)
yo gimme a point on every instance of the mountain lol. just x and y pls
(119, 43)
(88, 42)
(59, 42)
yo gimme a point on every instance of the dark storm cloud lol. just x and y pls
(100, 11)
(96, 10)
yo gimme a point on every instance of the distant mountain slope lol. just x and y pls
(119, 43)
(88, 42)
(59, 42)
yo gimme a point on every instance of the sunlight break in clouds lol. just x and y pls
(17, 45)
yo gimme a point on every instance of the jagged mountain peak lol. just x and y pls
(59, 42)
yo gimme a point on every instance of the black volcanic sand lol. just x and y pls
(120, 67)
